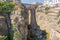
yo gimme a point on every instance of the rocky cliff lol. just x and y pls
(31, 22)
(50, 21)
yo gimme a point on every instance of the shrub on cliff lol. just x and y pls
(6, 6)
(16, 34)
(59, 21)
(58, 13)
(46, 10)
(3, 37)
(48, 36)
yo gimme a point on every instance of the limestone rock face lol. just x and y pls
(49, 22)
(36, 20)
(20, 20)
(3, 26)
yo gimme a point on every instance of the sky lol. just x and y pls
(31, 1)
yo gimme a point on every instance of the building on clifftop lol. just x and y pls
(51, 2)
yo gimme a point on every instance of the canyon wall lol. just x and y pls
(49, 21)
(32, 20)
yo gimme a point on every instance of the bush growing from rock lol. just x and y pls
(3, 37)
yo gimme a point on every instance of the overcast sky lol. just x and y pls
(30, 1)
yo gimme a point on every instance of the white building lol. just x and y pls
(51, 2)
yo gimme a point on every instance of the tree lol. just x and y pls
(58, 13)
(46, 10)
(6, 7)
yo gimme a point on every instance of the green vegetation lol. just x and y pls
(16, 34)
(46, 10)
(58, 13)
(59, 21)
(39, 10)
(48, 36)
(0, 27)
(58, 16)
(6, 7)
(3, 37)
(14, 26)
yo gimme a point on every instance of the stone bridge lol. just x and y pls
(32, 20)
(23, 20)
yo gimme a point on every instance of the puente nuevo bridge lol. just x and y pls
(34, 17)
